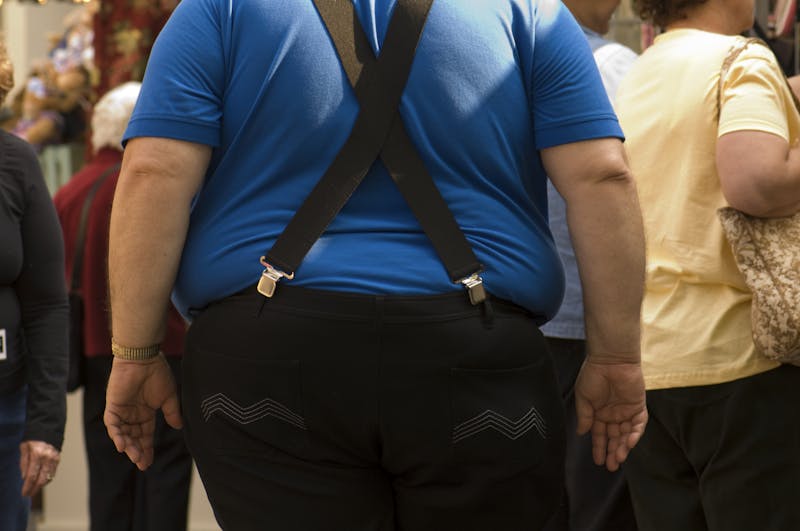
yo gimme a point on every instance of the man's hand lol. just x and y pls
(38, 463)
(136, 390)
(610, 400)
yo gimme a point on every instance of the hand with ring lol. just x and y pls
(38, 463)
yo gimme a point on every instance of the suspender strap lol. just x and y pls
(399, 154)
(366, 139)
(80, 239)
(378, 131)
(412, 178)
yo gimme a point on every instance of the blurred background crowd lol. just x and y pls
(103, 44)
(100, 45)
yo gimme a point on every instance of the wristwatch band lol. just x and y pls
(135, 353)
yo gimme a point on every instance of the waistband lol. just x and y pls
(357, 305)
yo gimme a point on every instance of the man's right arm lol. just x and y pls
(149, 221)
(606, 230)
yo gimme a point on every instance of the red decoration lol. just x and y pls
(124, 32)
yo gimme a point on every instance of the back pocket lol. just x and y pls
(508, 418)
(246, 405)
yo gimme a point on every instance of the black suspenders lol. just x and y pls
(378, 132)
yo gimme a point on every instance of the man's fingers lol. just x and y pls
(172, 412)
(133, 453)
(119, 442)
(114, 431)
(124, 442)
(612, 465)
(136, 453)
(599, 443)
(139, 449)
(585, 415)
(141, 457)
(634, 436)
(620, 448)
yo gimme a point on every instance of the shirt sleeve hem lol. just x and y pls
(567, 133)
(750, 125)
(175, 128)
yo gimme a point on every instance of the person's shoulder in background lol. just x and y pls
(19, 157)
(614, 60)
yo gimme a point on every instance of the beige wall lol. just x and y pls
(625, 26)
(26, 27)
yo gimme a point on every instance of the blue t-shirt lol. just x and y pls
(492, 82)
(568, 322)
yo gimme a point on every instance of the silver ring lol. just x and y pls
(49, 477)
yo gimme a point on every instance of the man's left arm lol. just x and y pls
(606, 230)
(149, 221)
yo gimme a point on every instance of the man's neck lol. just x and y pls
(587, 17)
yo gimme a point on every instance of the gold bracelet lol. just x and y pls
(135, 353)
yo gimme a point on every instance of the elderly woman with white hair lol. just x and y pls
(119, 496)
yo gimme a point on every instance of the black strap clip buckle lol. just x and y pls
(269, 279)
(475, 289)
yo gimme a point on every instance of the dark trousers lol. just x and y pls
(14, 508)
(315, 411)
(122, 498)
(594, 498)
(721, 457)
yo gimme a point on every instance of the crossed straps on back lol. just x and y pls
(378, 131)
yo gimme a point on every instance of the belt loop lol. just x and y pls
(487, 312)
(260, 306)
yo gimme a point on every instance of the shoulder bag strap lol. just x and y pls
(80, 240)
(733, 54)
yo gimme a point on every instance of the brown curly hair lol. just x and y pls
(663, 12)
(6, 72)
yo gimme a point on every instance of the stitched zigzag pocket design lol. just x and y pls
(492, 420)
(221, 404)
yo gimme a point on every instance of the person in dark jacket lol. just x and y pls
(33, 327)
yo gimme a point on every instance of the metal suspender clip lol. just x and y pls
(474, 285)
(269, 278)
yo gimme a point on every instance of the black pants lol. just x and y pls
(594, 498)
(721, 457)
(315, 411)
(121, 498)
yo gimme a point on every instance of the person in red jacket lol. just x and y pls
(120, 497)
